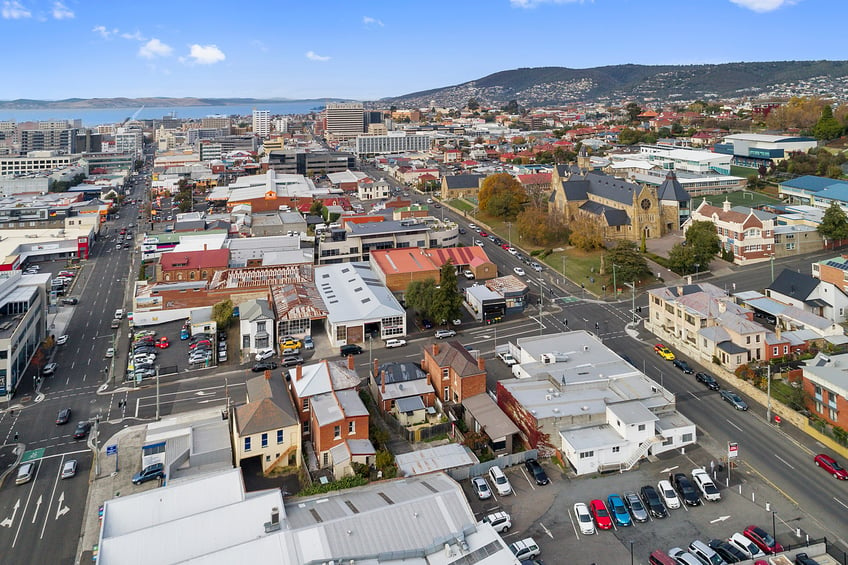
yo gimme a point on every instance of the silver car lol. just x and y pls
(634, 504)
(481, 487)
(69, 469)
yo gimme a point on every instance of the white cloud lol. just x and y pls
(105, 33)
(13, 10)
(763, 6)
(313, 56)
(206, 54)
(62, 12)
(136, 35)
(534, 3)
(368, 20)
(259, 45)
(155, 48)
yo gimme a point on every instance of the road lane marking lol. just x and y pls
(734, 425)
(693, 395)
(840, 502)
(779, 458)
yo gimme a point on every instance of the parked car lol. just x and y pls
(498, 478)
(468, 274)
(536, 471)
(350, 349)
(110, 352)
(25, 473)
(601, 514)
(500, 521)
(82, 429)
(652, 502)
(149, 473)
(830, 465)
(536, 267)
(525, 549)
(746, 546)
(683, 366)
(635, 506)
(395, 342)
(70, 301)
(618, 510)
(481, 488)
(291, 360)
(727, 551)
(669, 496)
(442, 334)
(289, 344)
(63, 417)
(49, 369)
(706, 485)
(686, 489)
(307, 342)
(804, 559)
(762, 539)
(683, 557)
(263, 354)
(426, 324)
(664, 352)
(584, 519)
(708, 380)
(69, 469)
(478, 243)
(62, 339)
(734, 399)
(518, 271)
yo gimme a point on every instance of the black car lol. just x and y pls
(462, 231)
(708, 380)
(82, 429)
(683, 366)
(264, 366)
(804, 559)
(72, 300)
(426, 324)
(536, 470)
(727, 551)
(652, 502)
(686, 489)
(63, 416)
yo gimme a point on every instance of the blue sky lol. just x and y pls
(372, 49)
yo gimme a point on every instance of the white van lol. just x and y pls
(119, 314)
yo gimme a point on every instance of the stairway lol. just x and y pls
(640, 452)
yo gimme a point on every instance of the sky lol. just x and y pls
(370, 49)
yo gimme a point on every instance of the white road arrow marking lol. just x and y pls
(547, 531)
(61, 510)
(669, 469)
(7, 523)
(720, 519)
(37, 506)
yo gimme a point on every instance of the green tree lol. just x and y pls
(501, 195)
(630, 265)
(222, 313)
(834, 224)
(447, 300)
(473, 104)
(512, 107)
(827, 127)
(681, 259)
(702, 239)
(676, 128)
(585, 234)
(316, 208)
(629, 136)
(420, 295)
(633, 110)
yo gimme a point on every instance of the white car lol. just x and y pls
(513, 250)
(518, 271)
(525, 549)
(69, 469)
(745, 545)
(110, 353)
(500, 521)
(481, 487)
(468, 274)
(498, 478)
(507, 358)
(390, 343)
(706, 485)
(584, 519)
(472, 226)
(478, 243)
(668, 494)
(62, 339)
(263, 354)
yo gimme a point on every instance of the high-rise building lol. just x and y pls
(345, 121)
(216, 122)
(262, 123)
(48, 140)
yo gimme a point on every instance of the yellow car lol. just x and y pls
(664, 352)
(289, 344)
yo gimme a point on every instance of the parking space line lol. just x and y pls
(573, 525)
(529, 482)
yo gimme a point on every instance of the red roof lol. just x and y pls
(206, 259)
(535, 178)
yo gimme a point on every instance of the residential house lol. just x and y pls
(809, 293)
(482, 415)
(256, 325)
(306, 382)
(577, 400)
(745, 232)
(336, 417)
(266, 426)
(402, 389)
(833, 271)
(453, 372)
(825, 381)
(397, 268)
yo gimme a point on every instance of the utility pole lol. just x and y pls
(768, 395)
(157, 393)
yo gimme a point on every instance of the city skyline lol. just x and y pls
(377, 49)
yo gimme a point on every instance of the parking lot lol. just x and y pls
(545, 512)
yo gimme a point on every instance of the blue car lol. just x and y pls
(618, 510)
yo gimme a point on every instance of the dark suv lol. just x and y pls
(536, 470)
(683, 366)
(653, 502)
(708, 380)
(687, 490)
(155, 471)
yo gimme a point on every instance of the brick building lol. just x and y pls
(826, 383)
(453, 372)
(747, 233)
(192, 265)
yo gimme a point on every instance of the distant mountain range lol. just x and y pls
(560, 85)
(151, 102)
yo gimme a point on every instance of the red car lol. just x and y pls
(483, 234)
(163, 343)
(601, 514)
(762, 539)
(830, 465)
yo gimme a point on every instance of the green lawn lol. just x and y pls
(461, 205)
(743, 172)
(740, 198)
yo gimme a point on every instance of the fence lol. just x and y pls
(462, 473)
(417, 434)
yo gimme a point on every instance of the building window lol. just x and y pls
(833, 414)
(686, 438)
(305, 404)
(616, 449)
(785, 349)
(775, 350)
(446, 394)
(445, 372)
(351, 427)
(337, 432)
(265, 440)
(641, 427)
(279, 436)
(586, 454)
(306, 427)
(247, 444)
(260, 326)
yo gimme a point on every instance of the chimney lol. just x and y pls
(374, 368)
(481, 363)
(275, 516)
(777, 331)
(383, 382)
(435, 349)
(726, 205)
(267, 375)
(679, 291)
(299, 373)
(204, 247)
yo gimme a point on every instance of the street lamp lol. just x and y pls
(771, 259)
(614, 288)
(509, 233)
(697, 268)
(633, 299)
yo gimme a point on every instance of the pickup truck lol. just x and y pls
(706, 485)
(507, 358)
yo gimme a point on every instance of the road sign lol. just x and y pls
(33, 455)
(568, 299)
(732, 449)
(112, 449)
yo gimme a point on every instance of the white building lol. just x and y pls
(23, 325)
(262, 123)
(392, 142)
(256, 325)
(576, 397)
(345, 121)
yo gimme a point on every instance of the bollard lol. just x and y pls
(798, 534)
(682, 451)
(768, 506)
(753, 497)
